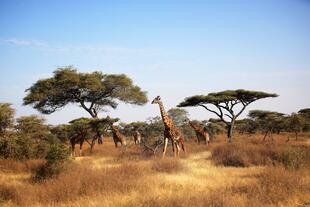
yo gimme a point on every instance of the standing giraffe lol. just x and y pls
(137, 137)
(75, 140)
(171, 131)
(117, 136)
(201, 134)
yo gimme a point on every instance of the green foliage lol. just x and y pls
(32, 126)
(61, 132)
(16, 147)
(215, 127)
(154, 128)
(130, 128)
(240, 96)
(247, 126)
(88, 128)
(305, 113)
(56, 158)
(268, 121)
(58, 153)
(96, 89)
(178, 116)
(296, 122)
(6, 117)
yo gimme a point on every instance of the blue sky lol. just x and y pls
(170, 48)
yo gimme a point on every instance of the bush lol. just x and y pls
(16, 147)
(55, 160)
(295, 157)
(58, 153)
(241, 155)
(256, 154)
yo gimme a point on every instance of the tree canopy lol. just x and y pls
(32, 126)
(225, 103)
(94, 92)
(6, 117)
(178, 116)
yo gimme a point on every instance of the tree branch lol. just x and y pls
(219, 115)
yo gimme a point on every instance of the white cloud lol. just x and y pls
(89, 48)
(20, 42)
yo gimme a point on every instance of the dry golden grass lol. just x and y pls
(114, 177)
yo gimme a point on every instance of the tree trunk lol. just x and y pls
(296, 135)
(230, 127)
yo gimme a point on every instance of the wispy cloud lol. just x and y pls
(65, 48)
(20, 42)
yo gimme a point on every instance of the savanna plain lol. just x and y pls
(246, 172)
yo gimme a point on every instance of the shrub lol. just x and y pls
(55, 160)
(239, 155)
(295, 157)
(16, 147)
(249, 154)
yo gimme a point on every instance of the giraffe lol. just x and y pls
(201, 134)
(73, 141)
(171, 132)
(137, 137)
(117, 136)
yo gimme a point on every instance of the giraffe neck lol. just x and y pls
(196, 128)
(164, 115)
(114, 129)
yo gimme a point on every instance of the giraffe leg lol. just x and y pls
(173, 148)
(178, 148)
(72, 149)
(81, 146)
(165, 147)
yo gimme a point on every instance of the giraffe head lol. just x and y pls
(186, 120)
(156, 100)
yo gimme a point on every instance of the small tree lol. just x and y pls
(246, 126)
(33, 127)
(214, 127)
(305, 113)
(223, 104)
(6, 117)
(178, 116)
(268, 121)
(296, 123)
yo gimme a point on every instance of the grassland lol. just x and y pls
(114, 177)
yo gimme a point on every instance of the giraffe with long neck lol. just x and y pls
(171, 132)
(201, 134)
(117, 136)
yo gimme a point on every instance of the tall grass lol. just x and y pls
(258, 154)
(112, 177)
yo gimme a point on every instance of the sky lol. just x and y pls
(174, 49)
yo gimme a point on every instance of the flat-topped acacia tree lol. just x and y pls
(94, 92)
(227, 105)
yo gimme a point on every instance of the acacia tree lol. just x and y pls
(296, 122)
(33, 127)
(305, 113)
(6, 117)
(94, 92)
(223, 104)
(268, 121)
